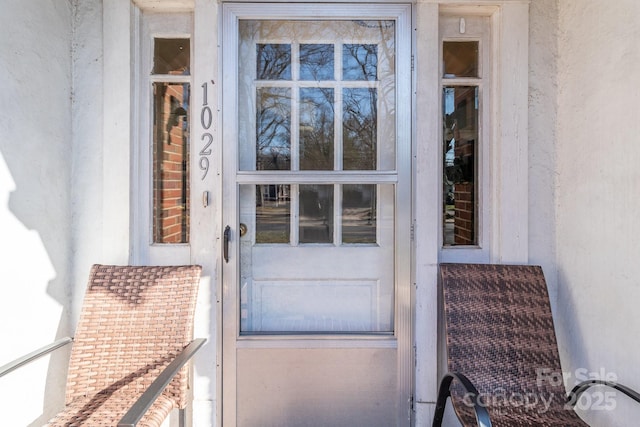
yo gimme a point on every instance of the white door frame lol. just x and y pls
(402, 337)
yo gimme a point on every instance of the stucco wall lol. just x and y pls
(598, 194)
(87, 126)
(35, 209)
(543, 59)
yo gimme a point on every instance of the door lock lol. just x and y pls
(243, 229)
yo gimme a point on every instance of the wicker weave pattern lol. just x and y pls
(134, 321)
(500, 334)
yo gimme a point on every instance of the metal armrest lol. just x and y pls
(482, 415)
(15, 364)
(575, 393)
(144, 402)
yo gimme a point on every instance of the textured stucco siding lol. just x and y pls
(598, 194)
(35, 201)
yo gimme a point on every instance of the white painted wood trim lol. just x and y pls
(206, 220)
(166, 5)
(507, 166)
(149, 26)
(116, 174)
(480, 252)
(510, 183)
(427, 198)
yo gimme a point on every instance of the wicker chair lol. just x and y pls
(134, 337)
(502, 355)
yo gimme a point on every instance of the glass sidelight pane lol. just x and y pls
(316, 213)
(359, 213)
(171, 56)
(170, 163)
(460, 147)
(460, 59)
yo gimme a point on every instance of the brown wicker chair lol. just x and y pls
(502, 355)
(129, 354)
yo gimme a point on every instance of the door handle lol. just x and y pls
(225, 249)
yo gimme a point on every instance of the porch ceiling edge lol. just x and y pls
(165, 5)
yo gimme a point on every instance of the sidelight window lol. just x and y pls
(171, 101)
(464, 83)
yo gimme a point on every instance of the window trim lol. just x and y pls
(152, 26)
(507, 174)
(480, 252)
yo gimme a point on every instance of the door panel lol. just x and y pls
(316, 178)
(328, 281)
(316, 387)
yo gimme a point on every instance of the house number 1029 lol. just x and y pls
(206, 120)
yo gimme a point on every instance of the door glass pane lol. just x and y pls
(316, 213)
(459, 180)
(273, 213)
(170, 163)
(360, 62)
(359, 213)
(317, 104)
(316, 62)
(316, 129)
(273, 129)
(273, 61)
(360, 128)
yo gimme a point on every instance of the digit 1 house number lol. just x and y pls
(206, 120)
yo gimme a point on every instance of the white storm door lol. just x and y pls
(316, 178)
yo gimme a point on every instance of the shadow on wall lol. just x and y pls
(34, 301)
(35, 208)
